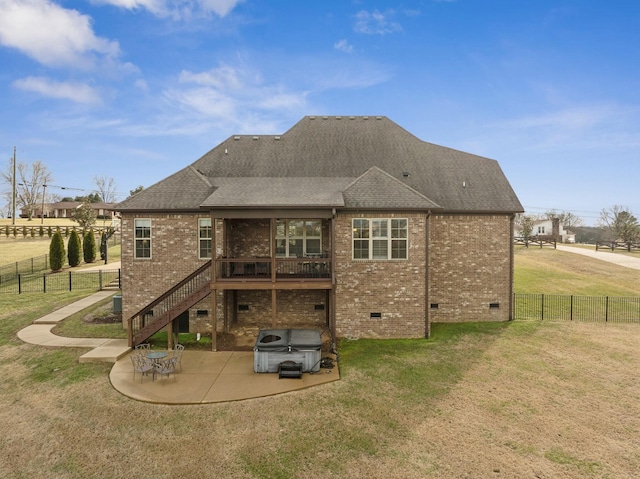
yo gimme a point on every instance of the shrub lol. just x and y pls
(41, 232)
(49, 232)
(73, 249)
(89, 247)
(56, 252)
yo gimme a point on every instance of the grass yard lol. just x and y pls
(549, 271)
(21, 248)
(493, 400)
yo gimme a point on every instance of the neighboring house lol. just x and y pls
(349, 224)
(550, 229)
(63, 209)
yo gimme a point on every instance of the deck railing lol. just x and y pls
(262, 269)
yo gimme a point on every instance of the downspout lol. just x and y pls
(427, 309)
(333, 282)
(214, 302)
(511, 264)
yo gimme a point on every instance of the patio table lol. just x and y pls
(156, 356)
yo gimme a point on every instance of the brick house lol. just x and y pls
(348, 224)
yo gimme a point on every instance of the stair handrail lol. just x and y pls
(171, 293)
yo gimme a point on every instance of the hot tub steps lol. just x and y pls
(290, 369)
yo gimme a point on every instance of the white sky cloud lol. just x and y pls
(52, 35)
(176, 8)
(77, 92)
(343, 46)
(228, 91)
(376, 22)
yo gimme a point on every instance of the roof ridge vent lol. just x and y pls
(256, 138)
(236, 138)
(378, 118)
(338, 118)
(276, 138)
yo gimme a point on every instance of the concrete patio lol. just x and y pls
(210, 377)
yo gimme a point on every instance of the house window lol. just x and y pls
(380, 238)
(143, 238)
(298, 238)
(204, 238)
(540, 230)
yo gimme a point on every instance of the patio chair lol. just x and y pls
(166, 368)
(177, 355)
(141, 365)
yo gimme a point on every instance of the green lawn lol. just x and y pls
(549, 271)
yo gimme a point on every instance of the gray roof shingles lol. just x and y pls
(339, 148)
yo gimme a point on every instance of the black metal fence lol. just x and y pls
(554, 307)
(9, 272)
(62, 281)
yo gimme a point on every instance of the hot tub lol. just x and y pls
(275, 346)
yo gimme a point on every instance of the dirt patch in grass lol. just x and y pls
(102, 315)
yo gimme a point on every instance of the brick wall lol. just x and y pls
(395, 289)
(469, 268)
(469, 274)
(294, 308)
(174, 255)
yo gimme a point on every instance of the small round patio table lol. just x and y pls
(157, 355)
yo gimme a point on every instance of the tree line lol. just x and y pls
(616, 223)
(32, 181)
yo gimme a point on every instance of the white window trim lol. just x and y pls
(370, 239)
(136, 239)
(201, 239)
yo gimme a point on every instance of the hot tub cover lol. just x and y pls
(305, 339)
(273, 340)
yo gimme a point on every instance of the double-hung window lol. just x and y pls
(298, 238)
(204, 238)
(143, 238)
(380, 238)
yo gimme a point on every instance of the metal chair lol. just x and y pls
(166, 368)
(141, 365)
(177, 354)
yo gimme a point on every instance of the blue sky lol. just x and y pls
(137, 89)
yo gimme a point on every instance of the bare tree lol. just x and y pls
(106, 188)
(567, 219)
(31, 181)
(621, 224)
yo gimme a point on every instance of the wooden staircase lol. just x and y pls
(164, 309)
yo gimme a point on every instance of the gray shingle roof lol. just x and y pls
(341, 148)
(277, 192)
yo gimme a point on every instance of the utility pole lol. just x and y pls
(13, 195)
(44, 192)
